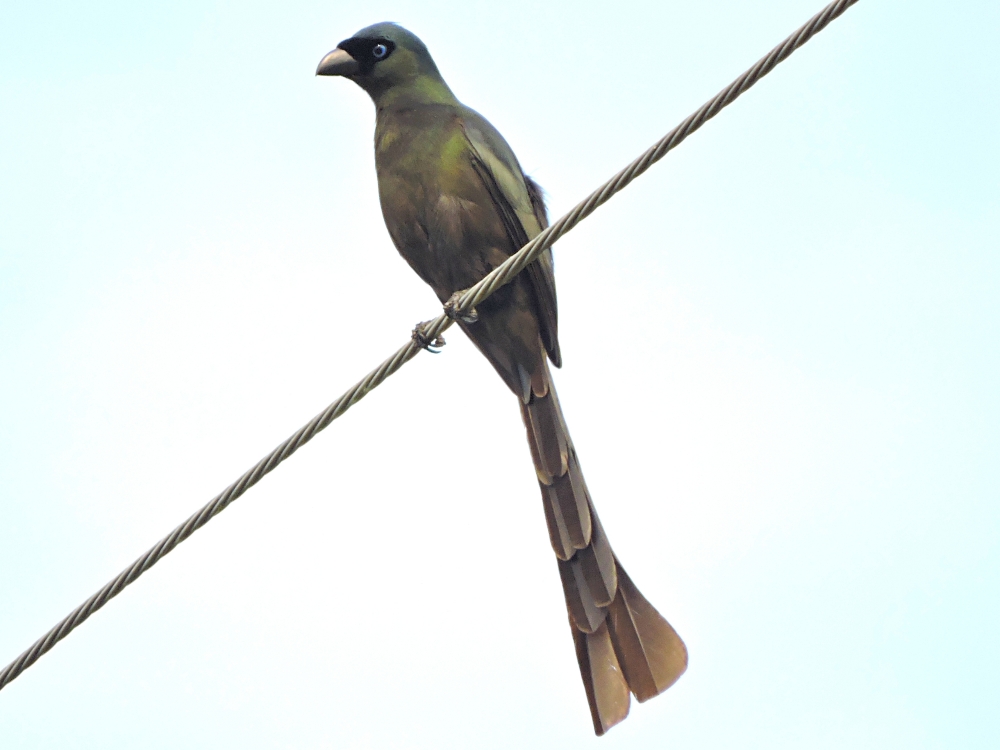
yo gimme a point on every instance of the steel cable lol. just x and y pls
(465, 303)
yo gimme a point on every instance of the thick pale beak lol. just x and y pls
(337, 63)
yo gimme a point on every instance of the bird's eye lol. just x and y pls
(379, 51)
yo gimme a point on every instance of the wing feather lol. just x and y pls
(520, 205)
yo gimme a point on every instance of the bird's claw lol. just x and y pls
(451, 310)
(432, 345)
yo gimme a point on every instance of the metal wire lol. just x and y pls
(505, 273)
(465, 303)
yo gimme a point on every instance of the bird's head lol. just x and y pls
(388, 62)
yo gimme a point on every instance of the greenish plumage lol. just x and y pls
(457, 204)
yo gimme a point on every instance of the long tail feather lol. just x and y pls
(622, 643)
(607, 690)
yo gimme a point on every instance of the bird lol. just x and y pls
(457, 203)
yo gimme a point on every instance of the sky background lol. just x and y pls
(781, 370)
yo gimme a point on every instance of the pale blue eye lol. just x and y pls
(379, 51)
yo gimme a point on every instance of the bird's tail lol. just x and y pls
(622, 643)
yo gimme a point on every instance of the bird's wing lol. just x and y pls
(518, 201)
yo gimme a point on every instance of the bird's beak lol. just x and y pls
(337, 63)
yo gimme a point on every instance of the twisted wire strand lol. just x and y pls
(205, 514)
(505, 272)
(466, 302)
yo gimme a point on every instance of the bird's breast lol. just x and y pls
(436, 208)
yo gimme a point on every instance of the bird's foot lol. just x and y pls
(432, 345)
(451, 310)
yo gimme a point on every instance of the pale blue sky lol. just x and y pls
(781, 372)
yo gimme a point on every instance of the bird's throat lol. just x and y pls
(421, 90)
